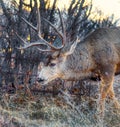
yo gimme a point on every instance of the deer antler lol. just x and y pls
(43, 41)
(26, 45)
(73, 46)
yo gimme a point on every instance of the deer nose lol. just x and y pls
(40, 80)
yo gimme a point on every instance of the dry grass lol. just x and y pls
(62, 110)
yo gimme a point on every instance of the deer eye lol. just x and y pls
(52, 64)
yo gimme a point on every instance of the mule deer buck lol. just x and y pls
(96, 55)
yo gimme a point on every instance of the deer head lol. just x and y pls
(56, 65)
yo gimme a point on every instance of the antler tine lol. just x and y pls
(53, 27)
(62, 36)
(21, 38)
(34, 28)
(38, 28)
(31, 44)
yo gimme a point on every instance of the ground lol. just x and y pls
(62, 110)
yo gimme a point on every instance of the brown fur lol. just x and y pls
(97, 55)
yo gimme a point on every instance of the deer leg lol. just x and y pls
(107, 78)
(111, 94)
(104, 89)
